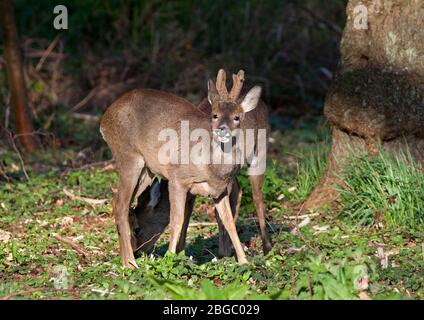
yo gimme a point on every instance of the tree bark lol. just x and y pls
(377, 96)
(19, 98)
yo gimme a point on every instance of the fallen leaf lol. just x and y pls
(364, 296)
(14, 168)
(384, 260)
(411, 244)
(5, 236)
(321, 228)
(66, 221)
(361, 283)
(392, 252)
(304, 223)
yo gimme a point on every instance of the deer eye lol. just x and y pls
(215, 116)
(236, 118)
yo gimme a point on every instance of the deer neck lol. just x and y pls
(224, 161)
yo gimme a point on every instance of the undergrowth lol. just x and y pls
(330, 257)
(384, 188)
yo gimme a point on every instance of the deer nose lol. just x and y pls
(223, 130)
(137, 231)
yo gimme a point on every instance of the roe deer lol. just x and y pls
(132, 127)
(147, 218)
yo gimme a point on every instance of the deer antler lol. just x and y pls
(221, 87)
(238, 80)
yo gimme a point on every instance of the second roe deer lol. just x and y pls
(131, 127)
(149, 219)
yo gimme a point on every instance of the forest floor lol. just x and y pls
(320, 255)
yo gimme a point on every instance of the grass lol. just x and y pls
(332, 257)
(384, 189)
(311, 167)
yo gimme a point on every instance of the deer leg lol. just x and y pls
(225, 245)
(223, 207)
(177, 201)
(256, 182)
(128, 179)
(188, 210)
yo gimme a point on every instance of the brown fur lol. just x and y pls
(131, 127)
(148, 220)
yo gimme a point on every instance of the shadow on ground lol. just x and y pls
(205, 248)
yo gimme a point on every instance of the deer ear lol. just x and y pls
(250, 101)
(212, 92)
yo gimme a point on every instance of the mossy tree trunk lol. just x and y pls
(377, 96)
(19, 98)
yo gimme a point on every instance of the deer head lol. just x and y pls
(228, 108)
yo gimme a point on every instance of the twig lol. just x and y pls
(103, 292)
(39, 54)
(292, 284)
(73, 244)
(25, 292)
(3, 174)
(12, 141)
(303, 216)
(157, 234)
(299, 211)
(95, 164)
(47, 52)
(85, 117)
(309, 286)
(34, 133)
(90, 201)
(211, 253)
(80, 104)
(87, 166)
(296, 217)
(201, 224)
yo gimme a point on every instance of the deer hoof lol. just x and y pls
(131, 264)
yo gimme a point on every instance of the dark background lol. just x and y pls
(289, 47)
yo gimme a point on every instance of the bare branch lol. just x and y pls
(72, 243)
(92, 202)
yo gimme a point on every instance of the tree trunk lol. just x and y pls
(16, 77)
(377, 96)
